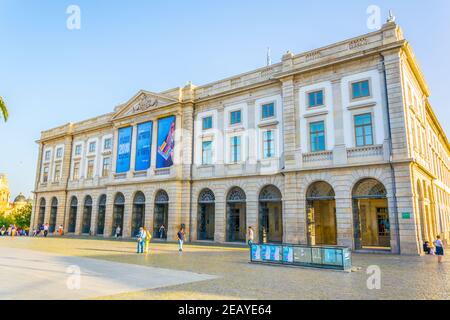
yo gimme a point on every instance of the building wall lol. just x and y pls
(409, 148)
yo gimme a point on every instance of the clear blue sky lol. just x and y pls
(50, 75)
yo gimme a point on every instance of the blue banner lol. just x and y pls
(143, 146)
(124, 150)
(166, 142)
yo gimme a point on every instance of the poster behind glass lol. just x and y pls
(166, 142)
(124, 150)
(143, 146)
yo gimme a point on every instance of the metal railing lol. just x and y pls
(325, 257)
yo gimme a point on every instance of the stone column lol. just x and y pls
(293, 213)
(109, 214)
(289, 123)
(340, 149)
(133, 151)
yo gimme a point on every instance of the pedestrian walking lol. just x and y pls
(117, 231)
(2, 231)
(148, 237)
(140, 240)
(250, 236)
(46, 227)
(161, 231)
(439, 248)
(180, 235)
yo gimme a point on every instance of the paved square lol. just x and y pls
(30, 274)
(35, 268)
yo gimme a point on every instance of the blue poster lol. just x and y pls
(288, 254)
(166, 142)
(256, 253)
(124, 150)
(264, 252)
(330, 256)
(143, 146)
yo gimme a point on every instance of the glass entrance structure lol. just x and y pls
(138, 215)
(321, 214)
(87, 215)
(101, 215)
(236, 215)
(372, 228)
(206, 215)
(53, 215)
(270, 215)
(41, 217)
(118, 212)
(73, 215)
(161, 215)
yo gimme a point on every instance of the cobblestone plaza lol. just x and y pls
(210, 273)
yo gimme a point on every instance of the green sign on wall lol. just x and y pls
(406, 215)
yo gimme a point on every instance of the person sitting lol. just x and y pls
(427, 248)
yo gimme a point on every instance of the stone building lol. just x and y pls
(7, 207)
(336, 146)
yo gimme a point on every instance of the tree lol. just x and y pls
(3, 109)
(22, 217)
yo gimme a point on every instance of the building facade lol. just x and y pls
(336, 146)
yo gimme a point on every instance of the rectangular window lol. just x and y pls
(47, 155)
(59, 153)
(106, 167)
(207, 123)
(235, 117)
(268, 110)
(107, 144)
(315, 99)
(235, 149)
(76, 171)
(92, 146)
(90, 169)
(78, 150)
(57, 172)
(360, 89)
(207, 152)
(45, 175)
(268, 145)
(363, 130)
(317, 136)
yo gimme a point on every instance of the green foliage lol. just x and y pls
(21, 218)
(3, 109)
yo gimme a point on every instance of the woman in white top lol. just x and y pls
(439, 248)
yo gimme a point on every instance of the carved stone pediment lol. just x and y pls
(141, 102)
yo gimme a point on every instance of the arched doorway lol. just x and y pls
(321, 214)
(236, 215)
(101, 215)
(73, 215)
(270, 215)
(41, 217)
(87, 215)
(161, 215)
(53, 215)
(206, 215)
(118, 212)
(137, 218)
(371, 216)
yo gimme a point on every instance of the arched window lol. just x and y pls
(161, 215)
(321, 214)
(137, 220)
(53, 215)
(236, 215)
(206, 215)
(87, 215)
(73, 214)
(270, 215)
(41, 218)
(372, 228)
(118, 214)
(101, 215)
